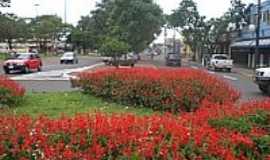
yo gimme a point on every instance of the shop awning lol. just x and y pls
(264, 43)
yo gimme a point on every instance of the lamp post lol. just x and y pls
(65, 11)
(258, 27)
(36, 7)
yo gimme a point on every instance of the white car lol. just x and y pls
(220, 61)
(262, 78)
(69, 57)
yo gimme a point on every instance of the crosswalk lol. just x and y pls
(54, 75)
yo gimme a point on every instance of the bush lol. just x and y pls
(98, 136)
(160, 89)
(10, 92)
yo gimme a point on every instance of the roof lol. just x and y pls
(264, 43)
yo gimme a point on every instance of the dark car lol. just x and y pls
(173, 59)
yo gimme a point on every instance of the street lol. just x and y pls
(51, 79)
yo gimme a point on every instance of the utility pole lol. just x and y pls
(258, 28)
(165, 41)
(65, 14)
(36, 8)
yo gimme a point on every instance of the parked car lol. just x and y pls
(69, 57)
(220, 62)
(173, 59)
(262, 78)
(24, 62)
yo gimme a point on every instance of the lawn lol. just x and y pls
(68, 103)
(3, 56)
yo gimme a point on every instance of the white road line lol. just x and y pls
(54, 74)
(230, 78)
(194, 67)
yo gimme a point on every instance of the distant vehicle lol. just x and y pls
(220, 61)
(173, 59)
(125, 60)
(107, 60)
(262, 78)
(24, 62)
(69, 57)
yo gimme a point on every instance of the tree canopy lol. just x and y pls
(132, 24)
(12, 27)
(5, 3)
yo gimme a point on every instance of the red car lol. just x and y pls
(24, 62)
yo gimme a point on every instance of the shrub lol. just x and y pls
(99, 136)
(160, 89)
(10, 92)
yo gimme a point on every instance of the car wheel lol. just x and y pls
(26, 69)
(61, 62)
(263, 88)
(39, 69)
(268, 90)
(7, 71)
(229, 70)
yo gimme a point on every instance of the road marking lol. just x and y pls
(54, 75)
(230, 78)
(194, 67)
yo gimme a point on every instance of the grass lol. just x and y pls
(3, 56)
(68, 103)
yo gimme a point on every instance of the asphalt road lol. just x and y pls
(52, 64)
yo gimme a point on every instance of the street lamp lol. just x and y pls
(36, 7)
(257, 47)
(65, 8)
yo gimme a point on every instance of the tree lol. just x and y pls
(187, 20)
(133, 24)
(84, 36)
(4, 3)
(237, 14)
(12, 28)
(46, 28)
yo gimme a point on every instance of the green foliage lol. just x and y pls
(132, 25)
(240, 125)
(67, 103)
(5, 3)
(46, 27)
(243, 124)
(114, 47)
(12, 27)
(7, 99)
(263, 145)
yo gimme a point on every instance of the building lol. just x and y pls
(242, 50)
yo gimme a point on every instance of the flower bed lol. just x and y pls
(10, 91)
(191, 136)
(160, 89)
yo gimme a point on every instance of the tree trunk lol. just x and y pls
(10, 44)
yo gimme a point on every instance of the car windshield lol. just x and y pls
(23, 56)
(221, 57)
(68, 55)
(174, 56)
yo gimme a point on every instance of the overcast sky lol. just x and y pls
(77, 8)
